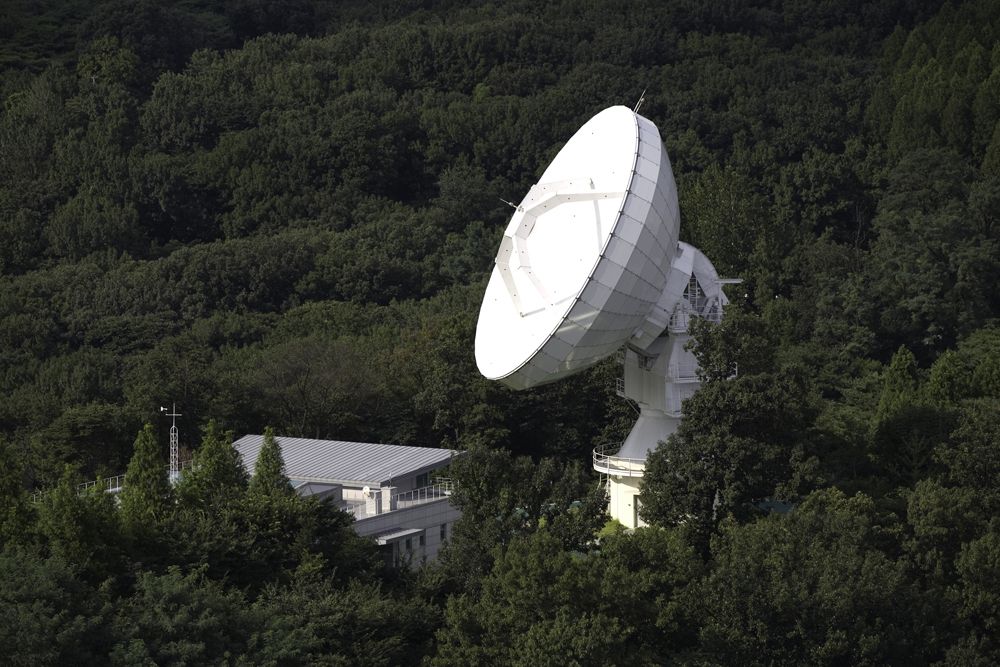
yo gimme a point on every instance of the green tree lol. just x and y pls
(502, 497)
(251, 540)
(970, 371)
(176, 618)
(724, 217)
(85, 435)
(269, 470)
(655, 570)
(81, 527)
(146, 499)
(741, 343)
(940, 521)
(742, 441)
(311, 387)
(16, 513)
(971, 454)
(906, 427)
(926, 268)
(542, 604)
(899, 383)
(51, 617)
(531, 607)
(816, 586)
(217, 472)
(979, 583)
(948, 379)
(310, 620)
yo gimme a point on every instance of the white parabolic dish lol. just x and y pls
(584, 258)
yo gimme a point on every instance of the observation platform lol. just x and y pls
(382, 501)
(607, 461)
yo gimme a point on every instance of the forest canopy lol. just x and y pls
(283, 214)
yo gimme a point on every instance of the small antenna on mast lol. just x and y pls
(175, 463)
(642, 98)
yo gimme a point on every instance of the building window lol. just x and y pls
(409, 544)
(422, 540)
(422, 481)
(444, 532)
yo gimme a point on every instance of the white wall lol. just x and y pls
(623, 494)
(428, 516)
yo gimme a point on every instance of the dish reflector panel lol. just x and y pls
(585, 256)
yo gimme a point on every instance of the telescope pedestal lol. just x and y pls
(659, 377)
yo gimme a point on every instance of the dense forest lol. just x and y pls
(284, 214)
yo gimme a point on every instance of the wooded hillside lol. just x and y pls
(284, 214)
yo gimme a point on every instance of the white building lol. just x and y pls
(388, 488)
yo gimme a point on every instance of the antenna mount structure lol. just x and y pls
(175, 462)
(591, 264)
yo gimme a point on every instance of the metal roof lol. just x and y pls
(347, 463)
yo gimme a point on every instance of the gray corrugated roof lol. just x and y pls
(348, 463)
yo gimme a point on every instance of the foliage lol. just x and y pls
(178, 618)
(16, 515)
(269, 470)
(216, 474)
(542, 604)
(503, 497)
(80, 528)
(742, 441)
(906, 427)
(971, 455)
(812, 586)
(50, 616)
(284, 213)
(309, 622)
(146, 499)
(741, 343)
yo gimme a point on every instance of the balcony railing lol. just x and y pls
(357, 508)
(425, 494)
(442, 487)
(607, 461)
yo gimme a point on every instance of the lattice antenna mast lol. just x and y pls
(175, 461)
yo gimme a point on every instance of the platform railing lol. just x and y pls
(108, 484)
(685, 371)
(440, 489)
(356, 507)
(607, 461)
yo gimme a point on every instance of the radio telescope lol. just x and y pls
(589, 265)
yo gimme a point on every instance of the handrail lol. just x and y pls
(357, 508)
(441, 489)
(679, 371)
(109, 484)
(608, 462)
